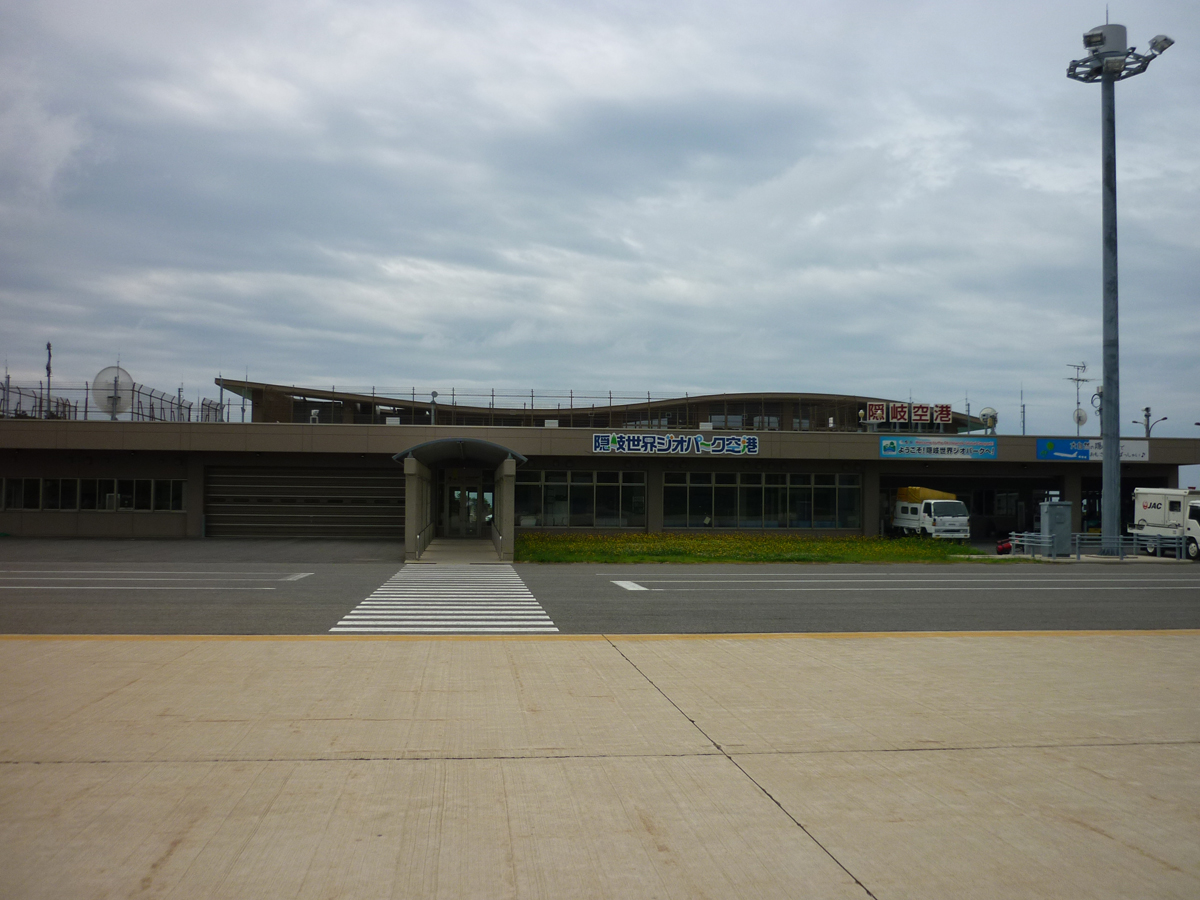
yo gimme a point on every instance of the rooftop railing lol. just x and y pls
(81, 401)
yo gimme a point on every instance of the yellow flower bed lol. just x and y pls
(708, 547)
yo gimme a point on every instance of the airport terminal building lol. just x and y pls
(338, 464)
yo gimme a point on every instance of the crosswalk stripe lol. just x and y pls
(449, 599)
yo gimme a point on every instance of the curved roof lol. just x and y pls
(788, 410)
(460, 450)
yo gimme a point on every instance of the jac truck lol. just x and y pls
(932, 513)
(1169, 513)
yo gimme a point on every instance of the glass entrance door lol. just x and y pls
(463, 512)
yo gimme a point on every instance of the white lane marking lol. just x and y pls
(208, 574)
(832, 590)
(450, 599)
(296, 577)
(986, 581)
(125, 578)
(120, 587)
(409, 629)
(630, 585)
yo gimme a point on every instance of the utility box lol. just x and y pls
(1056, 528)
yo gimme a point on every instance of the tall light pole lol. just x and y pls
(1110, 59)
(1145, 420)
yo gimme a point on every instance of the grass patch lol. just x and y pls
(684, 547)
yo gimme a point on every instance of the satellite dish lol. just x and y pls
(989, 417)
(113, 390)
(1080, 417)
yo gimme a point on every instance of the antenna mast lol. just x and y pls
(1078, 378)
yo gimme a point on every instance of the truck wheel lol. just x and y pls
(1193, 550)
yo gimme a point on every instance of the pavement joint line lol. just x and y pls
(738, 766)
(977, 748)
(715, 752)
(532, 757)
(609, 636)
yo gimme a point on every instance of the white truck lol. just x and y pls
(931, 513)
(1169, 513)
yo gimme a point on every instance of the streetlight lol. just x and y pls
(1110, 59)
(1146, 420)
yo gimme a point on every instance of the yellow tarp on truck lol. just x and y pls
(917, 494)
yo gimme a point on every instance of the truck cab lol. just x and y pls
(944, 519)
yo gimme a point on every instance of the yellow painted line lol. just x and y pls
(822, 636)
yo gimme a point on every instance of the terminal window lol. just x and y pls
(580, 499)
(761, 500)
(101, 494)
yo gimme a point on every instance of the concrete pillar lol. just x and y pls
(194, 527)
(870, 501)
(654, 500)
(418, 508)
(1072, 492)
(504, 509)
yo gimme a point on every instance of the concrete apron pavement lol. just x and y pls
(930, 766)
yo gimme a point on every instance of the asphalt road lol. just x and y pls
(281, 587)
(964, 596)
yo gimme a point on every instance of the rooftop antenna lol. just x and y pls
(113, 389)
(49, 357)
(1079, 415)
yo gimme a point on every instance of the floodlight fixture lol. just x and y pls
(1159, 43)
(1110, 59)
(1109, 54)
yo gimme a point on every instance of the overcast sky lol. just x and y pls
(876, 198)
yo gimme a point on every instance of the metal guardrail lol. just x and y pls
(424, 536)
(1036, 544)
(1132, 544)
(1032, 543)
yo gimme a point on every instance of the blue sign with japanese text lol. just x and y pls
(1089, 449)
(725, 445)
(937, 446)
(1064, 448)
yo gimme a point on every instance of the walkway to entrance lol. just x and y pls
(459, 488)
(451, 550)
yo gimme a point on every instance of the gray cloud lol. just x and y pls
(837, 197)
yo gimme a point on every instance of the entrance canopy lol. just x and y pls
(460, 452)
